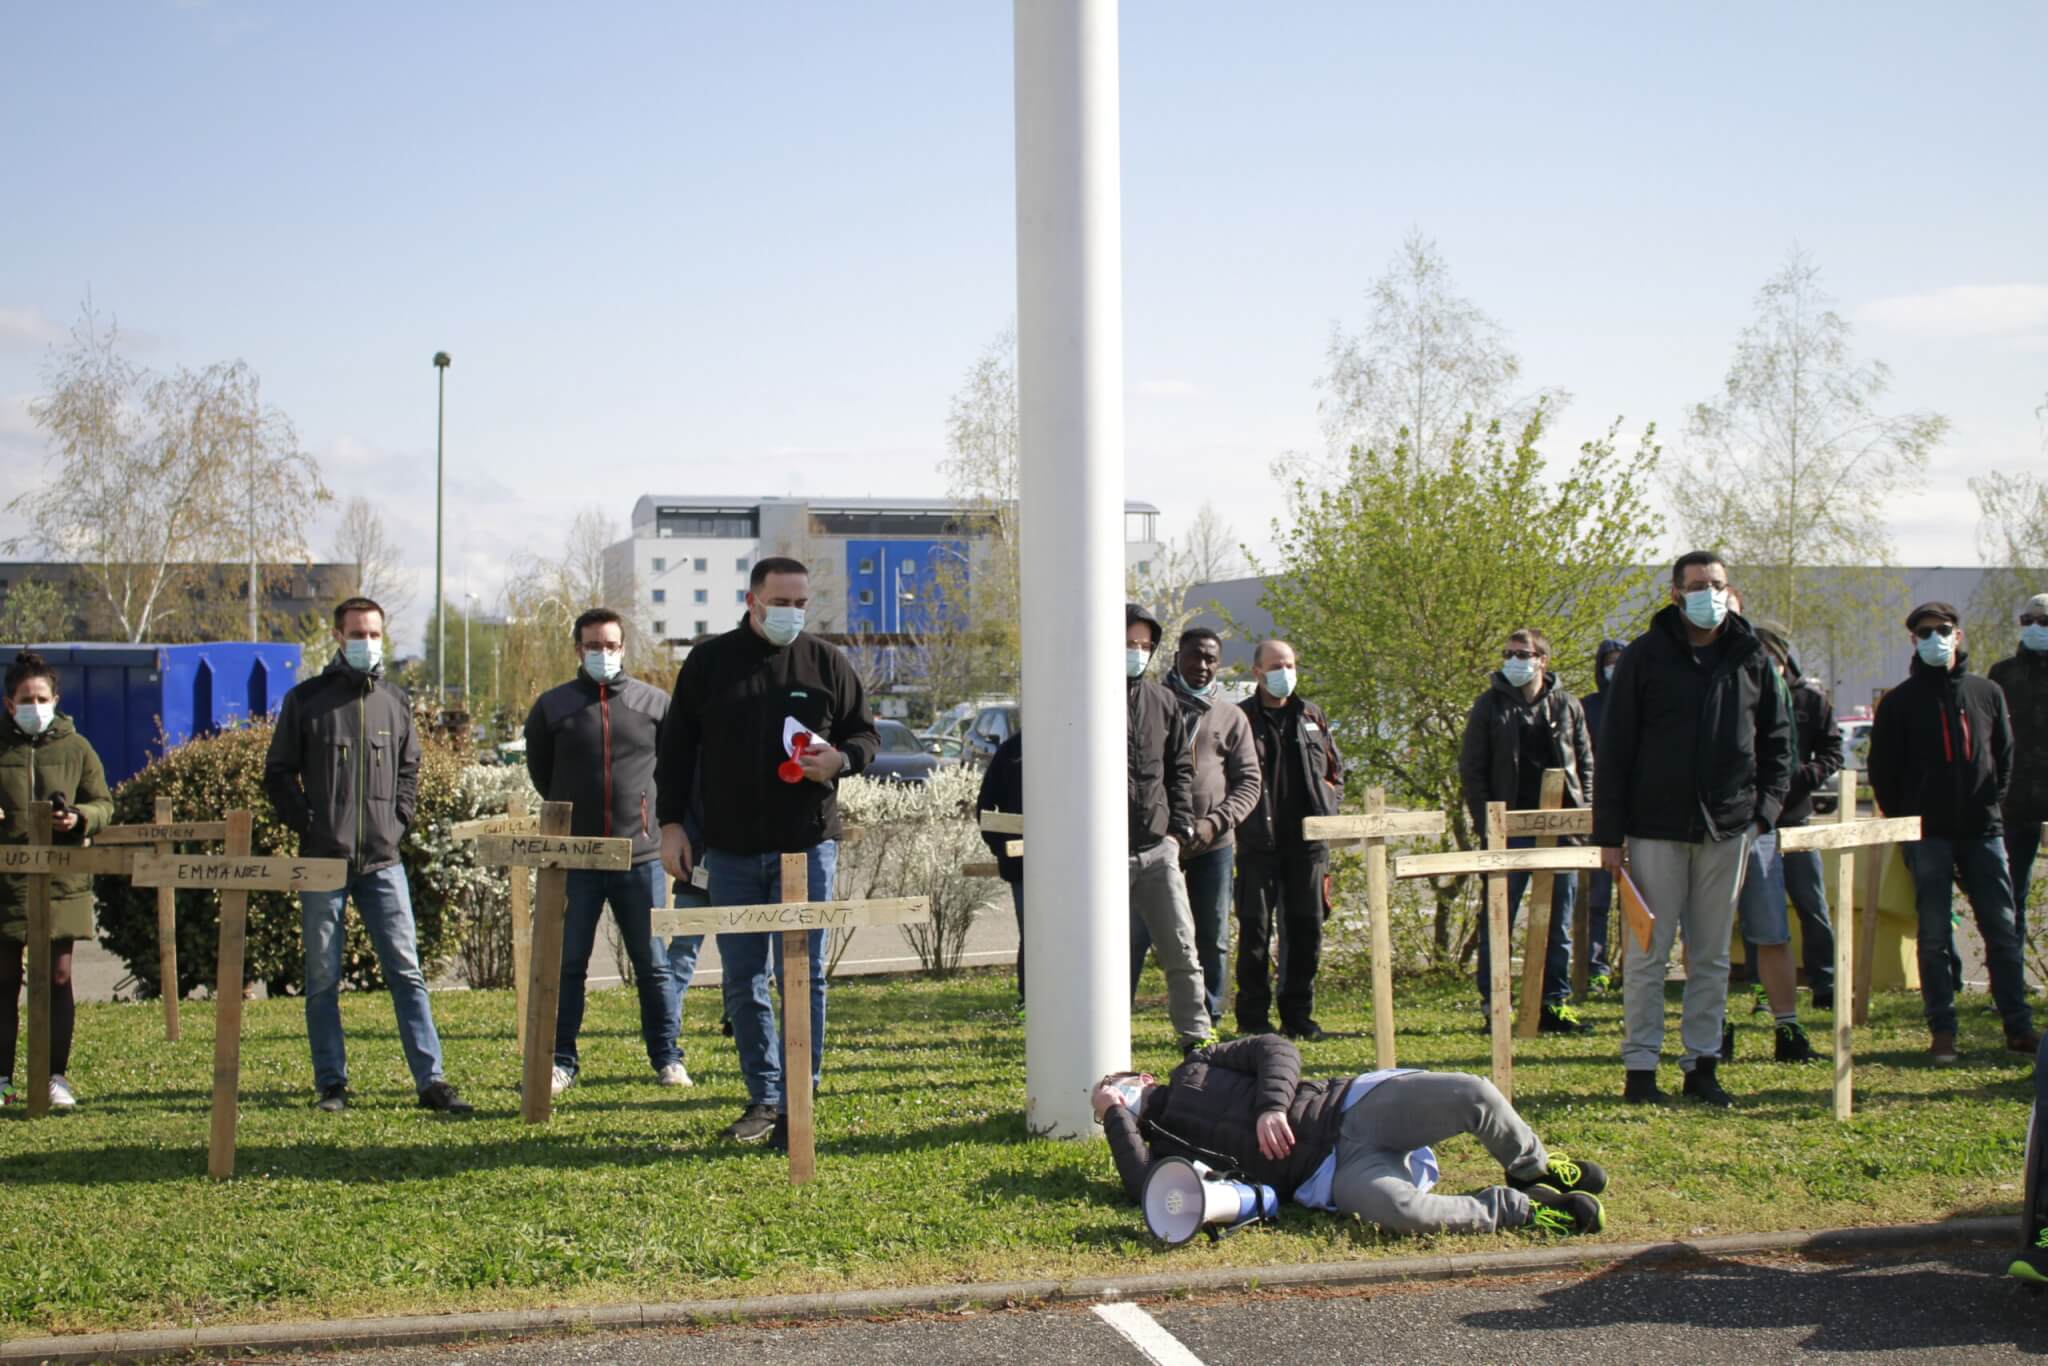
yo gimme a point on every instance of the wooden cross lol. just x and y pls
(554, 851)
(1847, 835)
(161, 835)
(515, 821)
(1373, 830)
(793, 918)
(1496, 861)
(234, 874)
(999, 823)
(1546, 825)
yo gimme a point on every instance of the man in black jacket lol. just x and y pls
(1696, 755)
(343, 772)
(1356, 1144)
(1521, 725)
(591, 742)
(1600, 886)
(742, 704)
(2023, 677)
(1002, 789)
(1280, 875)
(1161, 781)
(1941, 749)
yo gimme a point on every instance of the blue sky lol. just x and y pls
(751, 248)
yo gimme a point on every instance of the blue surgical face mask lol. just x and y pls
(782, 624)
(603, 665)
(364, 656)
(2035, 638)
(1280, 683)
(1135, 662)
(1937, 650)
(1706, 608)
(1607, 673)
(1131, 1089)
(1519, 671)
(1207, 690)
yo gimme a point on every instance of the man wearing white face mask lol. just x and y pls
(591, 742)
(1941, 749)
(1697, 749)
(344, 773)
(765, 693)
(1280, 875)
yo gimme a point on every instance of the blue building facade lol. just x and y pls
(893, 586)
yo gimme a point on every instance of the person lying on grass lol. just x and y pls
(1356, 1144)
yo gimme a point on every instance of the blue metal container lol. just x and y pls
(135, 701)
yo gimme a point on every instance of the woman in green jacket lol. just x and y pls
(43, 758)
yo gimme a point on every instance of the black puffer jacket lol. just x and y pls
(1161, 768)
(344, 767)
(594, 744)
(1941, 749)
(1820, 750)
(1490, 761)
(2023, 678)
(1687, 754)
(1318, 770)
(1209, 1110)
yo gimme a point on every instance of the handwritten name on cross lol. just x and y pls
(1374, 829)
(1844, 838)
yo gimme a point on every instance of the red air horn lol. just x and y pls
(791, 770)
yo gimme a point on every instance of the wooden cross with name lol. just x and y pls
(515, 821)
(161, 834)
(1845, 837)
(1374, 829)
(1547, 824)
(793, 918)
(1496, 861)
(234, 874)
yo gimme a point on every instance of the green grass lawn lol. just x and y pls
(925, 1171)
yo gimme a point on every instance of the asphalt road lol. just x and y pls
(1945, 1308)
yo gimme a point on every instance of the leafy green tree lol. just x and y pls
(2012, 540)
(33, 611)
(1396, 586)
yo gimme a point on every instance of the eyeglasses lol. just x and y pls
(1519, 654)
(1944, 631)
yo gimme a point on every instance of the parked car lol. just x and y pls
(901, 759)
(1855, 741)
(992, 725)
(944, 748)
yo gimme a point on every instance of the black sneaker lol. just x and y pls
(1565, 1213)
(754, 1125)
(1308, 1031)
(1793, 1045)
(778, 1138)
(1728, 1042)
(445, 1099)
(333, 1099)
(1824, 999)
(1560, 1017)
(1642, 1087)
(1564, 1175)
(1701, 1085)
(1246, 1031)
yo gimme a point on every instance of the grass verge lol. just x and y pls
(926, 1172)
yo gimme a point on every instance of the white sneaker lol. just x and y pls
(675, 1074)
(60, 1093)
(562, 1081)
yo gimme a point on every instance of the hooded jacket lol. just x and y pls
(593, 745)
(1595, 702)
(735, 699)
(2023, 678)
(1159, 760)
(1209, 1109)
(1689, 754)
(344, 767)
(1941, 749)
(1227, 780)
(1490, 760)
(33, 768)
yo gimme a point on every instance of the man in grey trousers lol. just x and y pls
(1697, 752)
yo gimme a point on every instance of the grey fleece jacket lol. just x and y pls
(1227, 777)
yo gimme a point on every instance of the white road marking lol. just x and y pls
(1143, 1332)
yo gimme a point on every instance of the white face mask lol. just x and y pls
(603, 665)
(34, 717)
(364, 656)
(1519, 671)
(1607, 673)
(1135, 662)
(782, 624)
(1706, 608)
(1280, 682)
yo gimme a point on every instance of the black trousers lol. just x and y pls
(1280, 891)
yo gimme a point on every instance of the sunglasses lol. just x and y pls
(1944, 631)
(2031, 620)
(1519, 654)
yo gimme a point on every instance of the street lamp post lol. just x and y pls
(440, 601)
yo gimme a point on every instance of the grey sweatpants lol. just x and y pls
(1691, 889)
(1403, 1113)
(1159, 897)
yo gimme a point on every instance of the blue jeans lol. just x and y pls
(1208, 881)
(1806, 884)
(1934, 863)
(682, 956)
(384, 901)
(1557, 962)
(756, 880)
(1599, 909)
(632, 894)
(2022, 845)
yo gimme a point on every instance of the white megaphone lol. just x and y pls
(1182, 1198)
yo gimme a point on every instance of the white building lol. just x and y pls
(685, 566)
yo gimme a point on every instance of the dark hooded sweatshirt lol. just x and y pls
(1496, 760)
